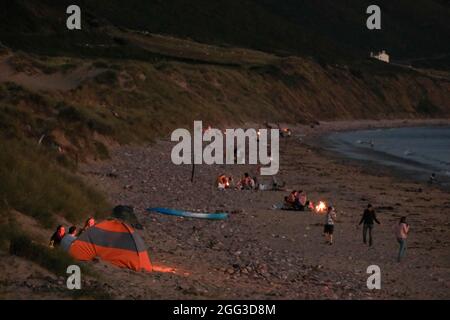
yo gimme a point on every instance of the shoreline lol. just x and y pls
(322, 143)
(328, 127)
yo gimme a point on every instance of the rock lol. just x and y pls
(230, 271)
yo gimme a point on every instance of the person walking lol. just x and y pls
(401, 232)
(368, 218)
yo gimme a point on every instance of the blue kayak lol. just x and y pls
(187, 214)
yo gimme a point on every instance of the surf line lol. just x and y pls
(235, 147)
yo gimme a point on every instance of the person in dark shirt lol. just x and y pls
(56, 238)
(368, 219)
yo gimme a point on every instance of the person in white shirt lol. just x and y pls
(328, 229)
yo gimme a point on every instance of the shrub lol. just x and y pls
(70, 114)
(100, 64)
(108, 77)
(426, 107)
(102, 150)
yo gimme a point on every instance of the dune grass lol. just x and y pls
(35, 184)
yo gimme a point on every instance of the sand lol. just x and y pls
(36, 80)
(260, 253)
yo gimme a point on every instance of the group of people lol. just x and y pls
(64, 240)
(368, 220)
(296, 200)
(245, 183)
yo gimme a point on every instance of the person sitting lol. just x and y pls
(285, 133)
(70, 237)
(223, 182)
(57, 236)
(90, 222)
(287, 205)
(301, 201)
(291, 198)
(229, 182)
(246, 183)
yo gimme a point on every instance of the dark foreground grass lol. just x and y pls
(54, 260)
(35, 184)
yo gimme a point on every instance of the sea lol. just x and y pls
(416, 151)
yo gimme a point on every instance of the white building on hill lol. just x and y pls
(382, 56)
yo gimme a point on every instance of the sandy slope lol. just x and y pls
(35, 79)
(262, 253)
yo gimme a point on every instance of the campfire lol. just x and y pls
(321, 207)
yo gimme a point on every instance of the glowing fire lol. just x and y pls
(176, 271)
(164, 269)
(321, 207)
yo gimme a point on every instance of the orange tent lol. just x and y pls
(115, 242)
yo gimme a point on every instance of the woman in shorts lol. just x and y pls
(329, 225)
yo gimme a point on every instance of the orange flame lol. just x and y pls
(321, 207)
(165, 269)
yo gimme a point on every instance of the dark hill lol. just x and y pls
(326, 29)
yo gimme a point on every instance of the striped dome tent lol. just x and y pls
(115, 242)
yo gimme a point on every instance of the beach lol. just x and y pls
(261, 253)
